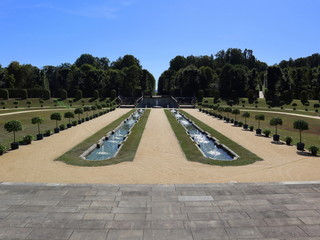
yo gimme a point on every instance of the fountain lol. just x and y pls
(209, 146)
(109, 146)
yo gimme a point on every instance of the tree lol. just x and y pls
(86, 110)
(93, 108)
(245, 115)
(69, 115)
(78, 111)
(235, 112)
(301, 125)
(259, 117)
(228, 110)
(38, 121)
(13, 126)
(57, 117)
(275, 122)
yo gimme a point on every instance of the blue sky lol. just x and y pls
(51, 32)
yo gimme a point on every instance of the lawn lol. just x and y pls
(300, 109)
(126, 153)
(309, 137)
(52, 102)
(28, 128)
(192, 152)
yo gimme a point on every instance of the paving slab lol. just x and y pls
(146, 213)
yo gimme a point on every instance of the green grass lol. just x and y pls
(192, 152)
(300, 109)
(35, 103)
(126, 153)
(28, 128)
(309, 137)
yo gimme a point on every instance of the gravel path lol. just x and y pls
(285, 113)
(39, 110)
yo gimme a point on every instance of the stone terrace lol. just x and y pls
(182, 211)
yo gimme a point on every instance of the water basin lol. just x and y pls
(206, 144)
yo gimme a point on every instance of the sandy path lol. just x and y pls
(159, 159)
(285, 113)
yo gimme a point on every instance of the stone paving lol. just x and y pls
(181, 211)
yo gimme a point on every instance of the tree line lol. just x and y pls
(235, 74)
(88, 75)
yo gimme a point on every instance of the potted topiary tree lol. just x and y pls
(228, 110)
(94, 108)
(269, 103)
(38, 121)
(69, 115)
(16, 104)
(235, 112)
(275, 122)
(243, 102)
(29, 104)
(256, 102)
(13, 126)
(245, 115)
(316, 106)
(57, 117)
(220, 110)
(259, 117)
(294, 105)
(307, 104)
(3, 105)
(300, 125)
(281, 104)
(86, 110)
(79, 111)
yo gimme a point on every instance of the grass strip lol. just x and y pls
(246, 157)
(126, 153)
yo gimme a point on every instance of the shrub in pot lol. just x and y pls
(288, 140)
(62, 127)
(2, 150)
(313, 150)
(294, 105)
(275, 122)
(13, 126)
(227, 119)
(232, 120)
(301, 125)
(57, 117)
(240, 124)
(27, 139)
(251, 128)
(266, 132)
(38, 121)
(235, 123)
(74, 123)
(47, 133)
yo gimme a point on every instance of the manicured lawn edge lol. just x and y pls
(246, 157)
(126, 153)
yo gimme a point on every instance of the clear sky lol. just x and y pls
(51, 32)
